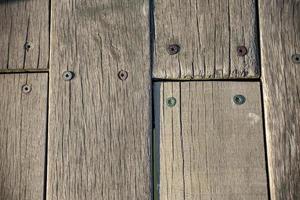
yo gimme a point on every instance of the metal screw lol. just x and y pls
(68, 75)
(123, 75)
(27, 46)
(296, 58)
(171, 101)
(242, 51)
(173, 49)
(239, 99)
(26, 89)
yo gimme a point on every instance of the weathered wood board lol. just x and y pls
(210, 148)
(99, 125)
(24, 34)
(22, 136)
(208, 33)
(280, 40)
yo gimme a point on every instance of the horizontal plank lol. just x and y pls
(22, 136)
(209, 34)
(210, 147)
(280, 46)
(24, 34)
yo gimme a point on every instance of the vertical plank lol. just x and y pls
(22, 136)
(100, 126)
(211, 148)
(209, 33)
(24, 23)
(280, 40)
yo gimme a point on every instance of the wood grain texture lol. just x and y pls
(22, 136)
(100, 126)
(210, 148)
(24, 22)
(209, 33)
(280, 39)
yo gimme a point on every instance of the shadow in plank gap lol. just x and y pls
(11, 1)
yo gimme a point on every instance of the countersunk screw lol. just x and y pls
(68, 75)
(171, 102)
(239, 99)
(242, 50)
(296, 58)
(173, 49)
(123, 75)
(27, 46)
(26, 89)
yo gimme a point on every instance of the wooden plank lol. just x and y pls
(22, 136)
(100, 126)
(280, 40)
(210, 148)
(24, 34)
(209, 33)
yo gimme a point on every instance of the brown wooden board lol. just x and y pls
(99, 126)
(22, 136)
(208, 33)
(280, 40)
(210, 147)
(24, 34)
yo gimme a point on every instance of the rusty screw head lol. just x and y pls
(239, 99)
(123, 75)
(173, 49)
(296, 58)
(26, 89)
(242, 51)
(68, 75)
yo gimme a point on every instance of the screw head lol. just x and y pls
(68, 75)
(173, 49)
(242, 51)
(26, 89)
(239, 99)
(171, 102)
(27, 46)
(123, 75)
(296, 58)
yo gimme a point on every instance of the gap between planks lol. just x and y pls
(19, 71)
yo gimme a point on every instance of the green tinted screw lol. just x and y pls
(171, 101)
(239, 99)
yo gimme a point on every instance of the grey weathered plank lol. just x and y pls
(210, 148)
(24, 22)
(280, 39)
(22, 136)
(100, 126)
(209, 33)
